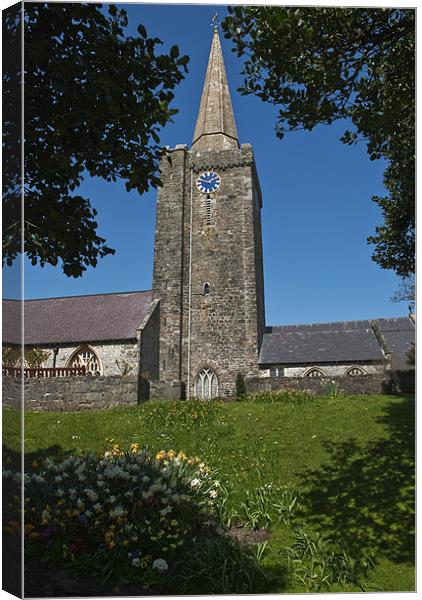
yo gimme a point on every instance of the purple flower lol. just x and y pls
(84, 520)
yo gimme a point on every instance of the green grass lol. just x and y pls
(352, 458)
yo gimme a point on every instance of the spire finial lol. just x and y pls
(215, 22)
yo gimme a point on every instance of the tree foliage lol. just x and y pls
(95, 100)
(240, 386)
(318, 65)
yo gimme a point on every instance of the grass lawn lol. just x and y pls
(351, 458)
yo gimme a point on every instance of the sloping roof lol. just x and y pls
(215, 117)
(100, 317)
(345, 341)
(399, 337)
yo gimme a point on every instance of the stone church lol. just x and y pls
(203, 322)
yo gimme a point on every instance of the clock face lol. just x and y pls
(208, 182)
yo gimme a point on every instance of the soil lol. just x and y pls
(243, 535)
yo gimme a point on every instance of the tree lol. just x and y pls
(240, 386)
(95, 100)
(406, 292)
(318, 65)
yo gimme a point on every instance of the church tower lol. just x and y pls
(208, 273)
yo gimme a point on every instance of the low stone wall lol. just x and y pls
(63, 394)
(160, 390)
(397, 382)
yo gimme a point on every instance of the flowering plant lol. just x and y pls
(123, 516)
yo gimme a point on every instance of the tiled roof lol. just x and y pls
(399, 337)
(100, 317)
(346, 341)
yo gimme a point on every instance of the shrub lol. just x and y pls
(240, 386)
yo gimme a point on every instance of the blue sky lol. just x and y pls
(317, 208)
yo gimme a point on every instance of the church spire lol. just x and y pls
(215, 127)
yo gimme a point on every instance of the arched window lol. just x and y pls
(206, 385)
(355, 372)
(206, 289)
(86, 357)
(314, 373)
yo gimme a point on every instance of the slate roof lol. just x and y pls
(99, 317)
(398, 336)
(345, 341)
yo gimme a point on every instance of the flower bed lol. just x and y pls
(123, 517)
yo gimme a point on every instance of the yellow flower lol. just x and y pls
(171, 453)
(182, 455)
(125, 542)
(135, 448)
(34, 464)
(60, 502)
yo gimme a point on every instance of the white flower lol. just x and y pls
(60, 493)
(136, 562)
(160, 565)
(212, 493)
(91, 494)
(195, 482)
(165, 511)
(117, 512)
(72, 493)
(145, 479)
(80, 504)
(97, 506)
(58, 478)
(112, 499)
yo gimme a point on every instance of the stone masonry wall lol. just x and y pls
(65, 394)
(227, 255)
(112, 355)
(395, 382)
(337, 370)
(150, 345)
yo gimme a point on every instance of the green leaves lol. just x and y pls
(318, 65)
(95, 101)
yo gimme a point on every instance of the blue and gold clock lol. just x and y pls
(208, 182)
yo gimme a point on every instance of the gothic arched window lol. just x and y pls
(355, 372)
(206, 289)
(206, 386)
(314, 373)
(86, 357)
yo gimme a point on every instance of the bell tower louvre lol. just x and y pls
(208, 268)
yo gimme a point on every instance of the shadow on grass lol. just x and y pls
(364, 496)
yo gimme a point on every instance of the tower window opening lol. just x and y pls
(206, 289)
(208, 210)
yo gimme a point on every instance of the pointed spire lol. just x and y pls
(215, 127)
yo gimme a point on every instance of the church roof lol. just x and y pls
(345, 341)
(215, 126)
(99, 317)
(398, 336)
